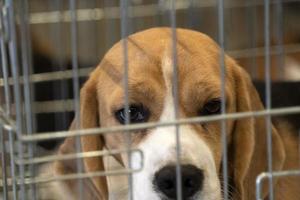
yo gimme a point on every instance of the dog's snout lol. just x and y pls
(191, 177)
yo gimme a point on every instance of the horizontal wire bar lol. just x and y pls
(274, 50)
(278, 174)
(137, 11)
(52, 76)
(44, 179)
(53, 106)
(90, 14)
(84, 72)
(41, 179)
(89, 154)
(106, 130)
(67, 105)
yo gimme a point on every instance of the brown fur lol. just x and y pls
(199, 80)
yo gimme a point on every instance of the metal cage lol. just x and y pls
(49, 47)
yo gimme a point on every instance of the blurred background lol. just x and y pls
(54, 46)
(99, 27)
(58, 43)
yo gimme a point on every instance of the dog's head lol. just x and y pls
(150, 96)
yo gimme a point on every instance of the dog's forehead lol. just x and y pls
(150, 54)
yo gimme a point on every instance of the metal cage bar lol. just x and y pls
(268, 93)
(17, 90)
(221, 36)
(19, 136)
(175, 96)
(270, 176)
(125, 28)
(239, 115)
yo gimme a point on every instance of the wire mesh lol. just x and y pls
(49, 48)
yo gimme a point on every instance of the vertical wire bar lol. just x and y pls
(2, 138)
(63, 83)
(258, 187)
(175, 98)
(75, 74)
(251, 26)
(124, 34)
(95, 32)
(12, 165)
(4, 61)
(191, 21)
(279, 38)
(159, 14)
(223, 97)
(163, 6)
(57, 85)
(268, 92)
(3, 164)
(104, 32)
(26, 64)
(110, 28)
(17, 95)
(8, 109)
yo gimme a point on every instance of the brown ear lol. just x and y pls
(249, 141)
(89, 119)
(96, 187)
(64, 167)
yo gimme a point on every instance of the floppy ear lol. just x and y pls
(89, 119)
(69, 188)
(96, 187)
(249, 141)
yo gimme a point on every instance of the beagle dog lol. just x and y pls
(151, 99)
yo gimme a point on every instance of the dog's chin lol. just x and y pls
(158, 196)
(142, 194)
(150, 193)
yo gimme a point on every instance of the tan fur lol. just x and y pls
(199, 80)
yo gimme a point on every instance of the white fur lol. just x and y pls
(159, 150)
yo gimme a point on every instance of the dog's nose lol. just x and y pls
(191, 177)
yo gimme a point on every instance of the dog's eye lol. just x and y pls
(137, 114)
(212, 107)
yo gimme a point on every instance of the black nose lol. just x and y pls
(191, 177)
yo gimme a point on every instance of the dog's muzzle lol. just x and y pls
(191, 181)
